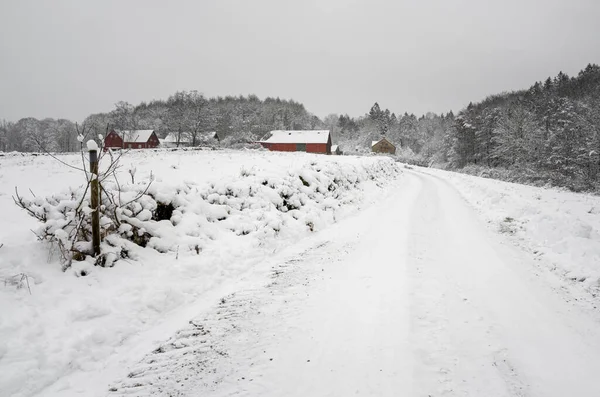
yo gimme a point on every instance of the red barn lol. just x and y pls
(318, 141)
(134, 139)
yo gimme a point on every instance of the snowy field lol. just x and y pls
(376, 279)
(71, 323)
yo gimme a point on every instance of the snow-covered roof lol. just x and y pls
(172, 138)
(315, 136)
(208, 135)
(135, 136)
(373, 143)
(334, 148)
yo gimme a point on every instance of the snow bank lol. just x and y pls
(562, 229)
(230, 210)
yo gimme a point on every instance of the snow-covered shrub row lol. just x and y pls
(407, 156)
(529, 176)
(187, 217)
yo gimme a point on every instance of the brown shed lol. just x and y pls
(383, 146)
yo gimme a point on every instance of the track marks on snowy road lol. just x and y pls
(197, 358)
(454, 344)
(509, 374)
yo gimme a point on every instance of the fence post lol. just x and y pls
(95, 195)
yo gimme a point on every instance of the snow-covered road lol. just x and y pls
(482, 322)
(413, 296)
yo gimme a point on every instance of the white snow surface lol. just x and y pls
(309, 136)
(413, 296)
(413, 282)
(233, 211)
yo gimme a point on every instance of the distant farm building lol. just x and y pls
(335, 149)
(383, 146)
(185, 139)
(208, 136)
(317, 141)
(134, 139)
(174, 139)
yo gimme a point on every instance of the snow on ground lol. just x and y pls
(412, 296)
(561, 228)
(235, 209)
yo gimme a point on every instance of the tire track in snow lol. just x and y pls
(509, 374)
(198, 357)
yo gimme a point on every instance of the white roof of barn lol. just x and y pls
(172, 138)
(315, 136)
(135, 136)
(334, 148)
(373, 143)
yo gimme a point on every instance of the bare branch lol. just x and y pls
(20, 203)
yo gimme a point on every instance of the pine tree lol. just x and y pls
(375, 112)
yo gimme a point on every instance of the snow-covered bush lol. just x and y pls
(185, 217)
(66, 219)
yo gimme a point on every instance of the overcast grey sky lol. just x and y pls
(72, 58)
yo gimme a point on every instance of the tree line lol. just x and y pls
(422, 138)
(235, 119)
(547, 133)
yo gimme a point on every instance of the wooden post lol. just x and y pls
(95, 195)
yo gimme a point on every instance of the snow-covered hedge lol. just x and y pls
(186, 217)
(529, 176)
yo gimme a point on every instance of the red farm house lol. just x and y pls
(134, 139)
(318, 141)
